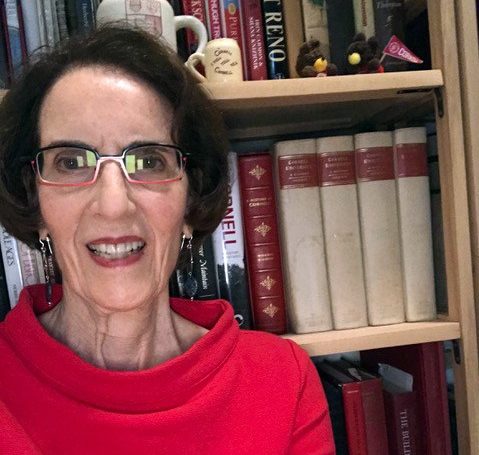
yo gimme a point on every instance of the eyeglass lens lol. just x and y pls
(152, 163)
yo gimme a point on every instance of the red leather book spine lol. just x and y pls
(254, 47)
(197, 9)
(354, 419)
(374, 416)
(426, 363)
(401, 422)
(213, 19)
(262, 242)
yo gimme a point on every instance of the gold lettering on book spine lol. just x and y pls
(257, 172)
(271, 310)
(268, 283)
(262, 229)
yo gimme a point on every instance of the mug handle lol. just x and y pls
(197, 26)
(192, 61)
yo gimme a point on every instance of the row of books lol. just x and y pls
(269, 32)
(335, 232)
(26, 26)
(393, 401)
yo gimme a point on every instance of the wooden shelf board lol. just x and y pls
(255, 109)
(336, 341)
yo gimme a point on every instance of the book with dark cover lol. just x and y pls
(228, 246)
(373, 405)
(352, 404)
(426, 364)
(334, 397)
(401, 420)
(4, 55)
(262, 242)
(79, 16)
(389, 20)
(254, 40)
(275, 39)
(4, 300)
(341, 31)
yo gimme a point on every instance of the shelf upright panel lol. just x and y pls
(457, 241)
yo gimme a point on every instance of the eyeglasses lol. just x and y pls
(71, 165)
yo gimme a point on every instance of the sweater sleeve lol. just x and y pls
(312, 432)
(14, 440)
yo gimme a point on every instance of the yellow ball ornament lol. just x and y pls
(354, 58)
(320, 65)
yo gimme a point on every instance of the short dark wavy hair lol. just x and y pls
(197, 126)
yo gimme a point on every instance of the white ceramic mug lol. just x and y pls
(155, 16)
(221, 60)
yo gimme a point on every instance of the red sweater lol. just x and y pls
(233, 392)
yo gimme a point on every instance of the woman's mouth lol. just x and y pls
(117, 250)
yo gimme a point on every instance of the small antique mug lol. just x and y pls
(154, 16)
(221, 60)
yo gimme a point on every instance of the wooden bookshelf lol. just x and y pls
(254, 109)
(336, 341)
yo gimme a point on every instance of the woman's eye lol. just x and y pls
(153, 162)
(67, 163)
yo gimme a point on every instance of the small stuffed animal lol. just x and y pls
(311, 61)
(364, 56)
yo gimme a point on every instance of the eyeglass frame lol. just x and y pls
(103, 158)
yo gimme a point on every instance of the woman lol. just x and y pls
(112, 155)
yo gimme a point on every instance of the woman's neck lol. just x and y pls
(127, 340)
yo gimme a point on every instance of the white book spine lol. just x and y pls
(379, 227)
(415, 223)
(315, 24)
(32, 29)
(11, 263)
(301, 235)
(28, 264)
(364, 17)
(339, 204)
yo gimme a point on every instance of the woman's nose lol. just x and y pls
(112, 191)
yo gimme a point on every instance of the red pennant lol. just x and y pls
(395, 48)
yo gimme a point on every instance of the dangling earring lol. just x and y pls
(48, 266)
(191, 285)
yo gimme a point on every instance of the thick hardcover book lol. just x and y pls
(415, 223)
(364, 17)
(440, 278)
(340, 214)
(228, 246)
(353, 406)
(341, 31)
(232, 25)
(373, 405)
(301, 236)
(315, 23)
(389, 20)
(426, 364)
(379, 227)
(262, 243)
(401, 422)
(11, 263)
(254, 45)
(293, 28)
(275, 38)
(213, 19)
(29, 264)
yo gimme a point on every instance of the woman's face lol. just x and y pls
(109, 111)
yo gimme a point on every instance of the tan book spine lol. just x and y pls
(301, 236)
(293, 25)
(379, 227)
(415, 223)
(339, 204)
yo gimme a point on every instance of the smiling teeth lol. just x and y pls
(116, 251)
